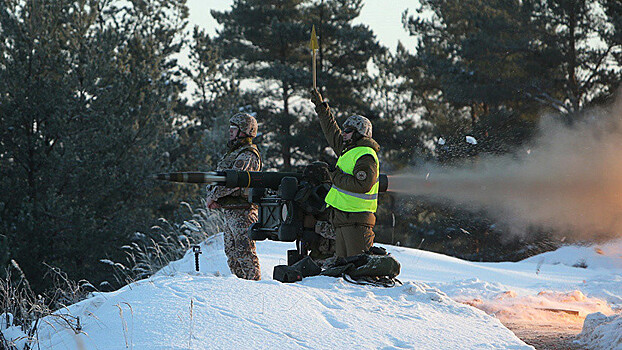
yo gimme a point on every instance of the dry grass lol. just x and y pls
(144, 257)
(168, 242)
(24, 308)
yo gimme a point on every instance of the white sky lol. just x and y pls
(383, 16)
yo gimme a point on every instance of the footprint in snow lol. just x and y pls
(397, 343)
(334, 322)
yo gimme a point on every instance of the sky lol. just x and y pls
(383, 16)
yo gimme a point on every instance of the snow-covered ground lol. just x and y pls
(179, 308)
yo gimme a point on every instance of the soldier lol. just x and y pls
(353, 197)
(239, 213)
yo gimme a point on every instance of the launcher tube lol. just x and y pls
(193, 177)
(244, 179)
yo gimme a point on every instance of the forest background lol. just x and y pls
(93, 101)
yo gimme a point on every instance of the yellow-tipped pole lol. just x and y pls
(314, 47)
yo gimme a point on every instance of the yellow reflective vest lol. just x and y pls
(351, 201)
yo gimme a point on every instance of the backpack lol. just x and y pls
(372, 269)
(377, 266)
(304, 268)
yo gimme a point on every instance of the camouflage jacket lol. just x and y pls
(243, 156)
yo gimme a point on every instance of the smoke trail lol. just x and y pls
(546, 308)
(569, 179)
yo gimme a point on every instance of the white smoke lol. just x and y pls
(570, 179)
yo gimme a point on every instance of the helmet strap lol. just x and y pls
(239, 135)
(239, 141)
(355, 137)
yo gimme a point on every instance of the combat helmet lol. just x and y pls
(359, 123)
(245, 122)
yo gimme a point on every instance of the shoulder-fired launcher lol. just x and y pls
(244, 179)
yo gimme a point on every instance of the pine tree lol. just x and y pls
(477, 50)
(399, 98)
(578, 45)
(488, 69)
(87, 97)
(499, 64)
(613, 36)
(267, 41)
(216, 98)
(345, 53)
(520, 55)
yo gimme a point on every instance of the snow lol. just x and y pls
(179, 308)
(602, 332)
(13, 333)
(471, 140)
(16, 336)
(603, 256)
(6, 320)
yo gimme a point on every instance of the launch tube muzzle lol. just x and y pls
(383, 183)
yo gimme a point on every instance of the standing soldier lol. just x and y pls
(353, 197)
(239, 213)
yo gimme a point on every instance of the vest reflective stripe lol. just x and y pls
(350, 201)
(357, 195)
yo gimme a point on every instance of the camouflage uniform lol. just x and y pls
(239, 213)
(325, 245)
(240, 250)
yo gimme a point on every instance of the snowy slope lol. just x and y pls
(601, 256)
(179, 308)
(319, 313)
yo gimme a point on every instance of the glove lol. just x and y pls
(316, 98)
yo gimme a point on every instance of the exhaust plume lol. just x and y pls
(569, 179)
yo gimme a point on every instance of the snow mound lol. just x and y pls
(602, 332)
(603, 256)
(179, 308)
(199, 311)
(13, 334)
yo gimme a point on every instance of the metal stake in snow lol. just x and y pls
(314, 47)
(197, 250)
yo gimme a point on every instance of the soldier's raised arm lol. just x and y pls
(331, 129)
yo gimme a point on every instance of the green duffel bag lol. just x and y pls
(377, 266)
(337, 271)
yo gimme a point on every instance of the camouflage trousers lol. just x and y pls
(240, 250)
(326, 242)
(324, 247)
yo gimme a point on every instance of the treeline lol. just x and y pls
(93, 101)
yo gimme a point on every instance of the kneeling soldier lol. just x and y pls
(353, 198)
